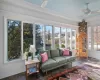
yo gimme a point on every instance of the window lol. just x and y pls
(89, 37)
(63, 31)
(14, 39)
(97, 38)
(73, 39)
(68, 38)
(39, 42)
(48, 37)
(27, 36)
(57, 37)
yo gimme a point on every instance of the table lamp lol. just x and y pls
(32, 50)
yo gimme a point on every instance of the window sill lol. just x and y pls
(13, 61)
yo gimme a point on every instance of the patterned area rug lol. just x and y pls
(86, 71)
(71, 74)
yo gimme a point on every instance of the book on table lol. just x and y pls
(32, 70)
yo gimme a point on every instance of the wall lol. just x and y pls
(21, 10)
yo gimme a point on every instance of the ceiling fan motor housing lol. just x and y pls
(87, 11)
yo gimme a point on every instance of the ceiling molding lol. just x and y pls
(8, 7)
(30, 6)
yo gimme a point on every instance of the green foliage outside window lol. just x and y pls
(27, 36)
(14, 39)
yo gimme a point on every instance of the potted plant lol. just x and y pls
(29, 56)
(26, 53)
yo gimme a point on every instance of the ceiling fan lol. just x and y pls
(88, 11)
(44, 3)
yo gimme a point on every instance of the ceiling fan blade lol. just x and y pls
(95, 12)
(84, 15)
(44, 3)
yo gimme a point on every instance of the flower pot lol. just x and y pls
(30, 58)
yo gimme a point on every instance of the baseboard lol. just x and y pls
(13, 76)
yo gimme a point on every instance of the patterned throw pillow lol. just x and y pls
(66, 52)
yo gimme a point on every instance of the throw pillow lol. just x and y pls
(44, 57)
(66, 52)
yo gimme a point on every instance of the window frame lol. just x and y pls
(97, 33)
(6, 41)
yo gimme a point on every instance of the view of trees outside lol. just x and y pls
(27, 36)
(89, 37)
(73, 38)
(48, 37)
(97, 38)
(14, 39)
(63, 31)
(57, 36)
(39, 37)
(68, 38)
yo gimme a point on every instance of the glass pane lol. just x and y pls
(48, 37)
(14, 39)
(39, 37)
(68, 38)
(57, 36)
(73, 38)
(89, 37)
(27, 36)
(95, 38)
(63, 31)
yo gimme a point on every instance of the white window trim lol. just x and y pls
(53, 38)
(60, 39)
(44, 30)
(22, 55)
(5, 40)
(66, 39)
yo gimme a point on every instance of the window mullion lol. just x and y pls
(60, 39)
(92, 38)
(75, 39)
(22, 54)
(53, 39)
(44, 30)
(71, 39)
(34, 37)
(66, 38)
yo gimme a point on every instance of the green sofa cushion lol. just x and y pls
(49, 64)
(54, 53)
(60, 60)
(69, 58)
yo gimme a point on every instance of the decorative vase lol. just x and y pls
(29, 58)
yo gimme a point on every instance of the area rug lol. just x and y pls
(86, 71)
(69, 74)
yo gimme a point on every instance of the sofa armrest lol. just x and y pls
(70, 53)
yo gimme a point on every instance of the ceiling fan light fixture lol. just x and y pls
(87, 11)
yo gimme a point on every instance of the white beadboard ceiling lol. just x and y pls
(69, 8)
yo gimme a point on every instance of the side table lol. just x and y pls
(32, 67)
